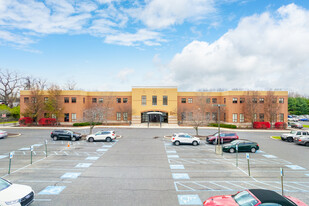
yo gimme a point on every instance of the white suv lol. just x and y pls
(184, 138)
(108, 136)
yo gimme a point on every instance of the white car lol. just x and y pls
(15, 194)
(108, 136)
(3, 134)
(184, 138)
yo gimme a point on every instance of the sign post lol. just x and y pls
(248, 159)
(31, 151)
(218, 148)
(281, 174)
(46, 148)
(236, 155)
(11, 156)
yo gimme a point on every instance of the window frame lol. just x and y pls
(183, 100)
(73, 98)
(154, 100)
(235, 100)
(94, 100)
(144, 100)
(66, 100)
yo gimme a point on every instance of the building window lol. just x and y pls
(225, 100)
(241, 118)
(125, 100)
(274, 101)
(207, 100)
(118, 100)
(281, 117)
(224, 117)
(235, 100)
(46, 115)
(94, 100)
(101, 100)
(165, 100)
(254, 117)
(154, 100)
(281, 100)
(144, 100)
(73, 99)
(73, 117)
(183, 100)
(261, 117)
(66, 117)
(190, 100)
(66, 99)
(241, 100)
(118, 116)
(214, 116)
(183, 116)
(261, 100)
(207, 116)
(84, 100)
(26, 99)
(54, 116)
(274, 117)
(190, 116)
(234, 117)
(33, 100)
(254, 100)
(214, 100)
(45, 99)
(125, 116)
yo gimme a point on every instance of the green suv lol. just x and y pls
(243, 146)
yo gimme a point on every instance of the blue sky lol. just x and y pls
(193, 44)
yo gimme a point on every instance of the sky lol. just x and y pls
(112, 45)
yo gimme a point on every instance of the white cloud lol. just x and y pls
(264, 51)
(123, 74)
(12, 38)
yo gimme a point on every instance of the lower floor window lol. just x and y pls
(261, 117)
(281, 117)
(66, 117)
(125, 116)
(118, 116)
(234, 117)
(241, 118)
(73, 117)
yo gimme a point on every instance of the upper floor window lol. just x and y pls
(235, 100)
(33, 100)
(214, 100)
(94, 100)
(26, 99)
(207, 100)
(224, 100)
(73, 100)
(183, 100)
(254, 100)
(154, 100)
(100, 100)
(45, 99)
(84, 100)
(274, 100)
(261, 100)
(190, 100)
(281, 100)
(165, 98)
(241, 100)
(144, 100)
(118, 100)
(125, 100)
(66, 99)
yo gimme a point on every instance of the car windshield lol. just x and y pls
(293, 132)
(4, 184)
(245, 199)
(235, 142)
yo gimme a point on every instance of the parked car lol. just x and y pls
(15, 194)
(303, 140)
(253, 197)
(296, 125)
(293, 134)
(224, 137)
(65, 134)
(243, 146)
(108, 136)
(184, 138)
(303, 119)
(3, 134)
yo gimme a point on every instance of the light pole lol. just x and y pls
(218, 149)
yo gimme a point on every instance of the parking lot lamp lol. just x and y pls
(218, 148)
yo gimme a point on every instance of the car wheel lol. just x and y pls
(55, 138)
(290, 139)
(108, 139)
(194, 143)
(73, 138)
(232, 150)
(177, 143)
(253, 150)
(307, 144)
(90, 139)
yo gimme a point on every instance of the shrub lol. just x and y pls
(261, 125)
(223, 125)
(25, 120)
(86, 124)
(47, 121)
(280, 125)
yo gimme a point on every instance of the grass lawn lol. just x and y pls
(8, 122)
(307, 126)
(276, 137)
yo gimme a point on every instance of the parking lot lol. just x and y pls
(144, 168)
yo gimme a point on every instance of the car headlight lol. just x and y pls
(12, 202)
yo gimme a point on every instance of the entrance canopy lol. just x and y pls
(160, 113)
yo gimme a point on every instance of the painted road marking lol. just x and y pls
(107, 145)
(70, 175)
(24, 149)
(37, 145)
(180, 176)
(295, 167)
(171, 152)
(269, 156)
(189, 200)
(84, 165)
(177, 167)
(260, 151)
(172, 156)
(102, 150)
(52, 190)
(3, 156)
(92, 158)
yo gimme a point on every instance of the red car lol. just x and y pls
(253, 197)
(224, 136)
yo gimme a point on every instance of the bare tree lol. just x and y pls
(53, 103)
(107, 107)
(251, 106)
(271, 107)
(30, 82)
(93, 115)
(10, 83)
(70, 85)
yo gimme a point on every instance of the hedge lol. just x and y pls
(47, 121)
(86, 124)
(280, 125)
(25, 120)
(261, 125)
(223, 125)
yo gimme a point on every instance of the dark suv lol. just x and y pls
(224, 137)
(65, 134)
